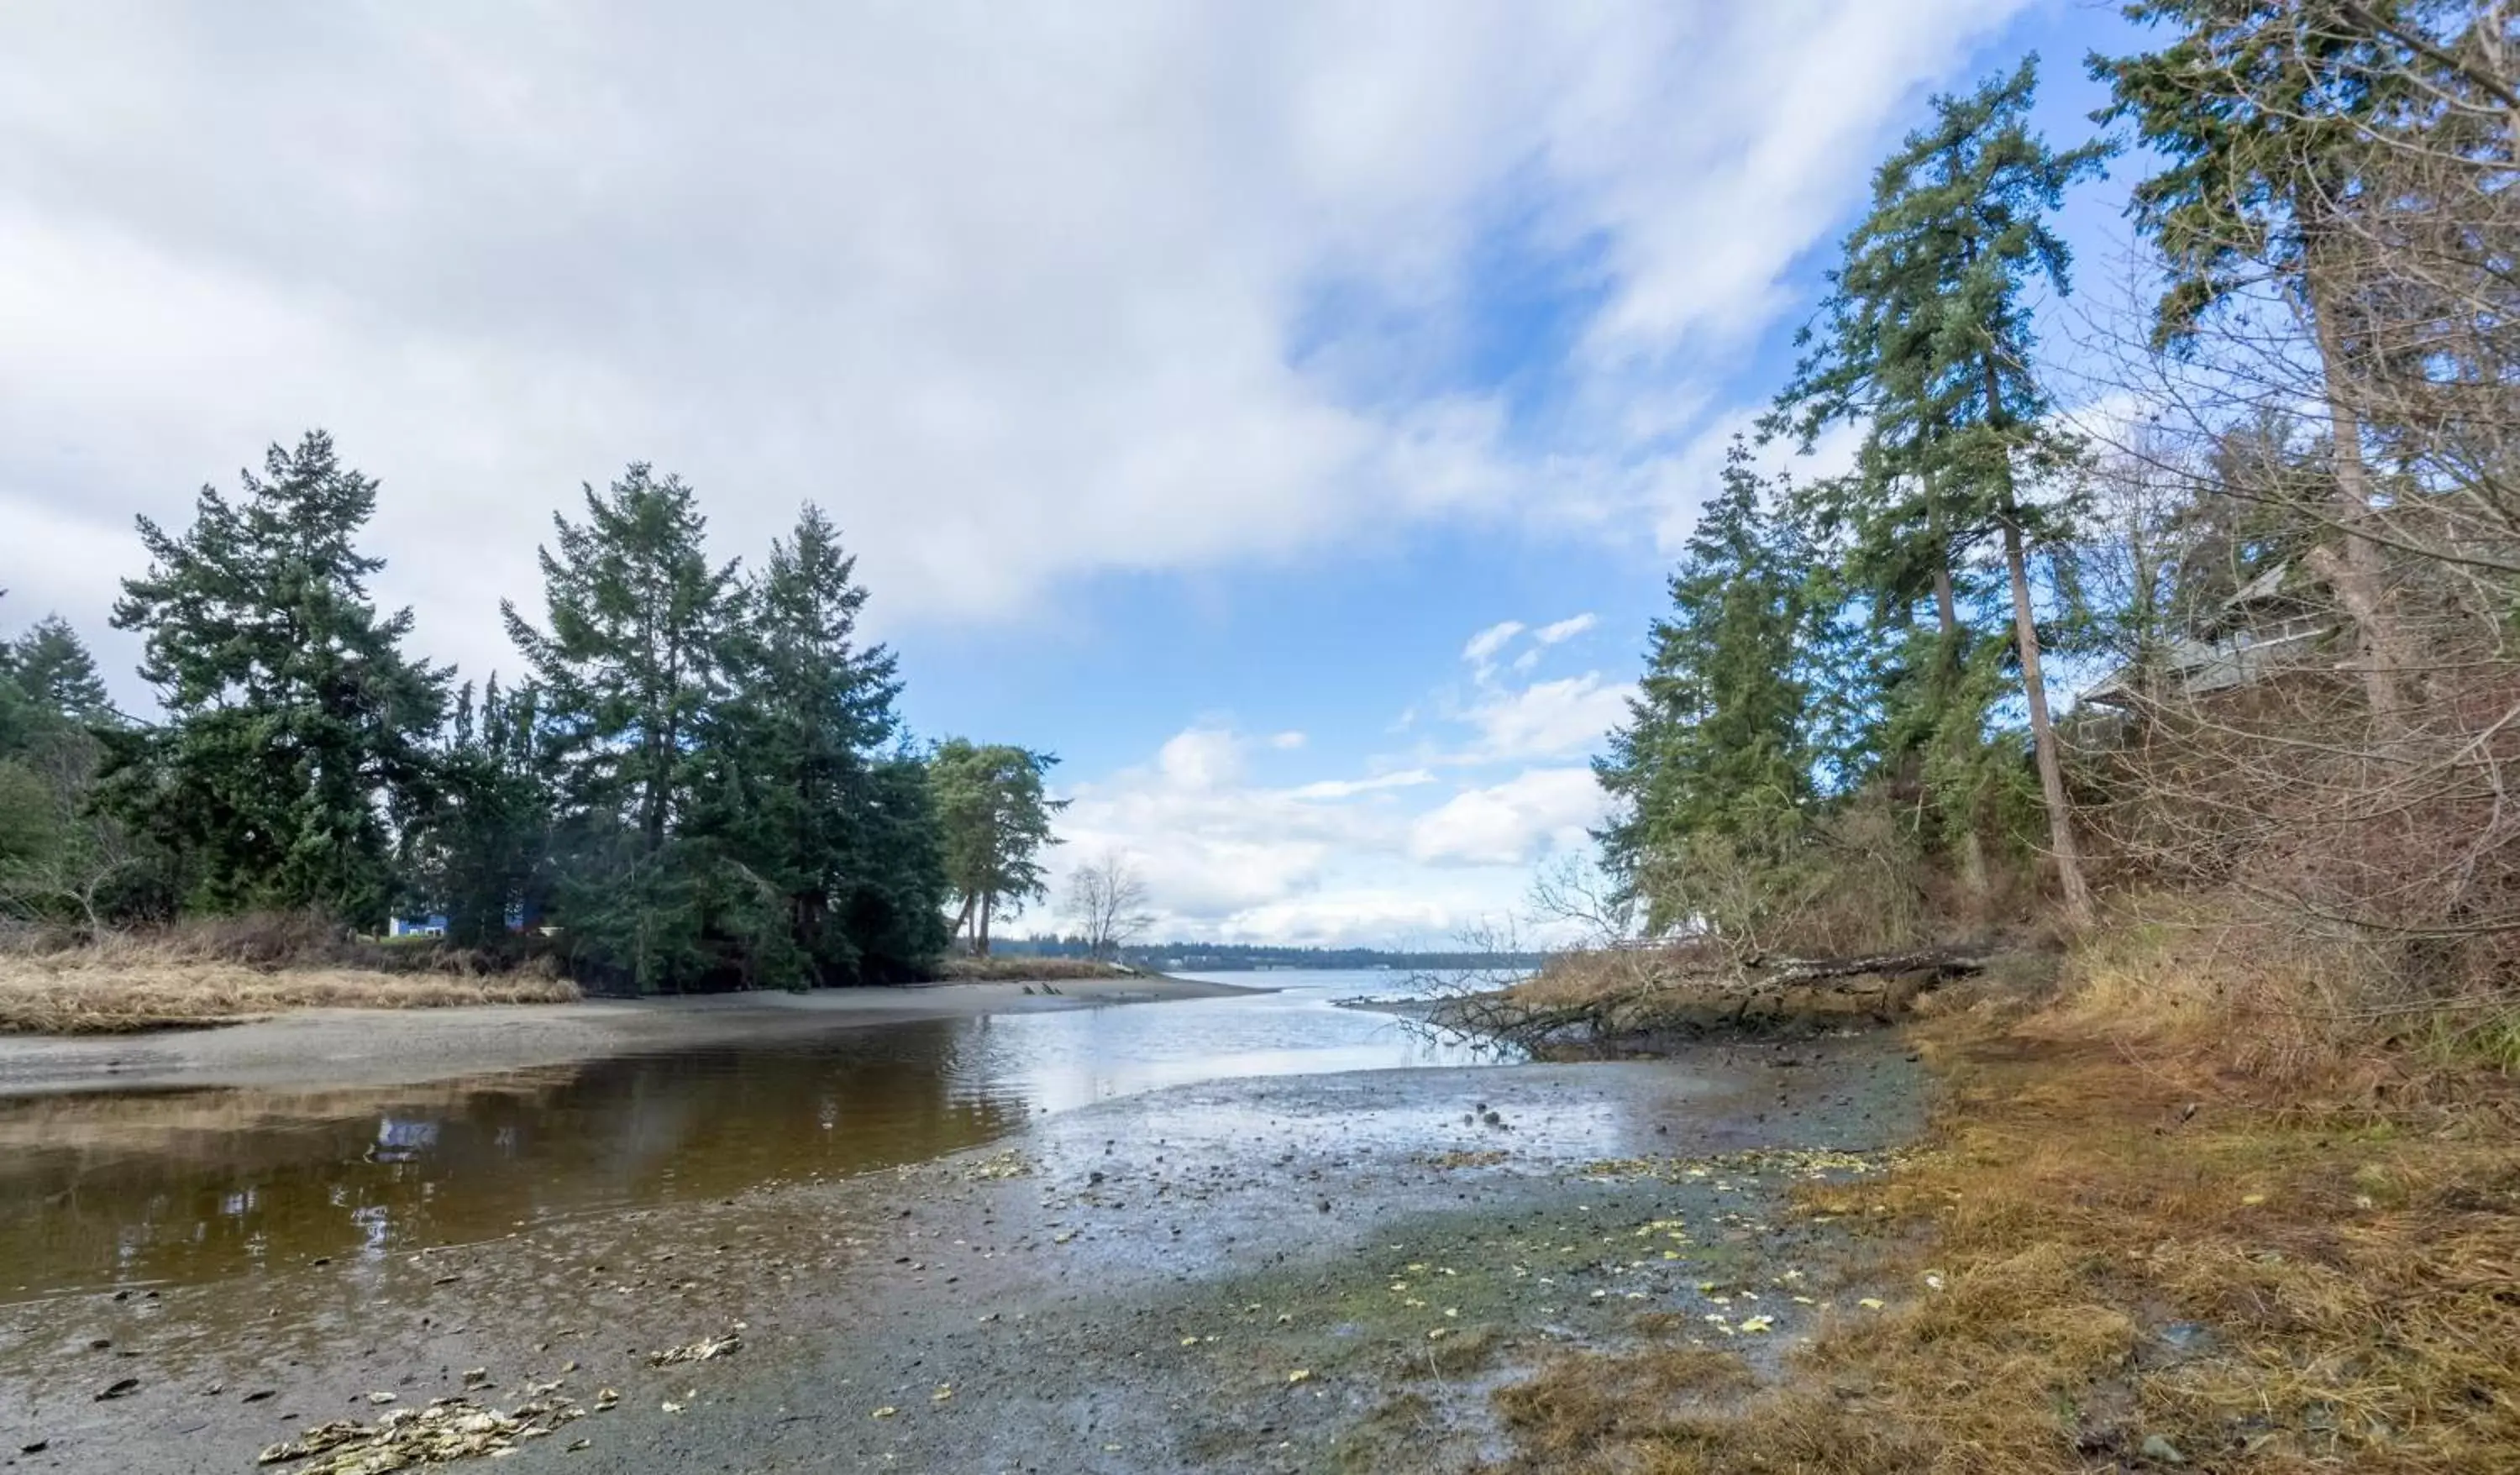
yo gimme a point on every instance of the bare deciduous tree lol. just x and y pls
(1110, 903)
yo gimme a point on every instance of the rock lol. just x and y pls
(118, 1388)
(2160, 1451)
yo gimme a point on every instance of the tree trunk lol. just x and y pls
(981, 949)
(2043, 734)
(2034, 684)
(2356, 574)
(962, 918)
(1947, 614)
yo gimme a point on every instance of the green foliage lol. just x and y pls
(694, 785)
(1926, 341)
(628, 674)
(478, 856)
(798, 796)
(51, 665)
(993, 820)
(2263, 113)
(1716, 758)
(896, 906)
(296, 729)
(639, 620)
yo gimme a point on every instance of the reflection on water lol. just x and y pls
(193, 1186)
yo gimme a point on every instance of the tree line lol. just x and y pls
(2277, 542)
(698, 780)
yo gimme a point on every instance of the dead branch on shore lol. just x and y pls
(1599, 997)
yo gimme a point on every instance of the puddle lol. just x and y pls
(186, 1186)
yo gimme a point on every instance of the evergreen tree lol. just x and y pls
(628, 672)
(993, 818)
(795, 745)
(296, 729)
(895, 906)
(1717, 744)
(1929, 331)
(479, 853)
(51, 664)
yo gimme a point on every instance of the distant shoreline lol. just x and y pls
(335, 1049)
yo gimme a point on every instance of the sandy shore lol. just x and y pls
(318, 1049)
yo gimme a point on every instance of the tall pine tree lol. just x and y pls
(1930, 332)
(797, 747)
(52, 666)
(1716, 746)
(629, 670)
(296, 729)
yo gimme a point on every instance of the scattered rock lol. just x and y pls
(2160, 1451)
(118, 1388)
(448, 1429)
(700, 1351)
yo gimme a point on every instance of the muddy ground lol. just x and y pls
(1299, 1273)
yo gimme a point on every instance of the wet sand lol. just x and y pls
(322, 1049)
(1288, 1274)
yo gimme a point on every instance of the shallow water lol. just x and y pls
(184, 1186)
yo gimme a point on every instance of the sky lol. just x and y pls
(1286, 414)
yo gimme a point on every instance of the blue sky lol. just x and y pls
(1198, 383)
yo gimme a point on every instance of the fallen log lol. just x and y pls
(1942, 962)
(1687, 996)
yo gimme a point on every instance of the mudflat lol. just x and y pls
(1246, 1276)
(319, 1049)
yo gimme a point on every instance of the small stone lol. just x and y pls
(2161, 1450)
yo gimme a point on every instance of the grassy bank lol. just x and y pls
(2186, 1211)
(221, 972)
(963, 968)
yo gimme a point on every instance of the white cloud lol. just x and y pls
(1488, 644)
(1510, 824)
(1566, 629)
(1343, 789)
(1023, 293)
(1547, 719)
(1286, 740)
(1387, 856)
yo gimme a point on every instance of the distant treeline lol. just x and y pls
(698, 780)
(1234, 958)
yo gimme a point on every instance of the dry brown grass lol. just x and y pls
(961, 968)
(221, 971)
(2324, 1218)
(43, 997)
(1577, 1408)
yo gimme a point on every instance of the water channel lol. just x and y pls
(182, 1186)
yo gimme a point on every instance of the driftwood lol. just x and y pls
(1689, 994)
(1942, 962)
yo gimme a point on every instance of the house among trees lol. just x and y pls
(2276, 623)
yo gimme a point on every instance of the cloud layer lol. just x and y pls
(1023, 293)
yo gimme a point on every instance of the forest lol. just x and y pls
(2194, 590)
(698, 780)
